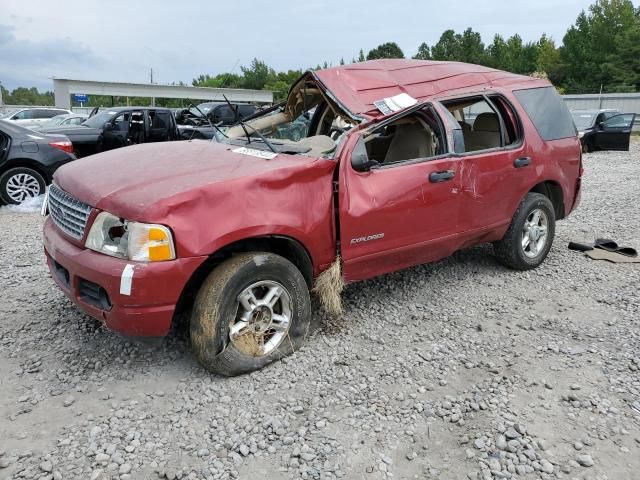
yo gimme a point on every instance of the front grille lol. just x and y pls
(93, 294)
(69, 215)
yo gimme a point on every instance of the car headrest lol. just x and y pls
(486, 122)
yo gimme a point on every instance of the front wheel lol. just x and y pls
(530, 235)
(19, 184)
(251, 310)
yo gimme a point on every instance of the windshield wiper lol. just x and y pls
(245, 125)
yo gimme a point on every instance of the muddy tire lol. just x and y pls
(530, 235)
(252, 310)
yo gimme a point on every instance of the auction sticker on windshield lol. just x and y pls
(252, 152)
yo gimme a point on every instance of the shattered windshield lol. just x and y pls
(308, 123)
(583, 120)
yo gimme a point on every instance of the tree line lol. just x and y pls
(600, 51)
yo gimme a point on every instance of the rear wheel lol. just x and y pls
(251, 310)
(19, 184)
(530, 235)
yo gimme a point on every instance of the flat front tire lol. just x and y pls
(530, 235)
(252, 310)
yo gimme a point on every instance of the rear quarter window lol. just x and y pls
(547, 111)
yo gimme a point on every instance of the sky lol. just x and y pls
(121, 40)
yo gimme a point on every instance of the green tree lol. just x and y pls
(625, 62)
(548, 62)
(424, 52)
(591, 53)
(257, 75)
(497, 53)
(449, 47)
(361, 57)
(222, 80)
(386, 50)
(471, 47)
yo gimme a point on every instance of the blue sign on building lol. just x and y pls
(80, 98)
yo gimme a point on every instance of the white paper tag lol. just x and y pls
(126, 280)
(394, 104)
(252, 152)
(45, 203)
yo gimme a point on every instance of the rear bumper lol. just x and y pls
(94, 282)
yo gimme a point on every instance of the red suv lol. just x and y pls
(404, 162)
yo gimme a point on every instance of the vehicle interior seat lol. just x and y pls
(410, 140)
(486, 132)
(136, 129)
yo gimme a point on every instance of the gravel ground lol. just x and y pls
(457, 370)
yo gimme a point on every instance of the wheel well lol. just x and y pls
(553, 192)
(286, 247)
(25, 162)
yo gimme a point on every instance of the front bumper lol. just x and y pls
(98, 284)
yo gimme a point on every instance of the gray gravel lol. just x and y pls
(457, 370)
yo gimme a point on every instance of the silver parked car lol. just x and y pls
(30, 117)
(66, 120)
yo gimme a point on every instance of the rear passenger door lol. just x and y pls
(161, 124)
(614, 133)
(497, 166)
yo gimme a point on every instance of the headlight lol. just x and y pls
(580, 134)
(141, 242)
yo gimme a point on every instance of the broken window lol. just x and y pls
(418, 135)
(308, 123)
(487, 122)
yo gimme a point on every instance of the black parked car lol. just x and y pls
(28, 160)
(119, 127)
(219, 113)
(605, 129)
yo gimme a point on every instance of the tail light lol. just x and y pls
(64, 145)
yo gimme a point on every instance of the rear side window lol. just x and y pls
(486, 122)
(548, 112)
(161, 120)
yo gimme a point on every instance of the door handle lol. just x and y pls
(443, 176)
(522, 162)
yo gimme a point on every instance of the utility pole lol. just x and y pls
(153, 99)
(600, 106)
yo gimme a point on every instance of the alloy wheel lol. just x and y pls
(535, 233)
(262, 320)
(22, 186)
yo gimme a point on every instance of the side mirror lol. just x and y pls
(601, 126)
(360, 159)
(108, 126)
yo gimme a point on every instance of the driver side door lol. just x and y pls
(614, 133)
(116, 135)
(403, 211)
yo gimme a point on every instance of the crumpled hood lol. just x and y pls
(143, 182)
